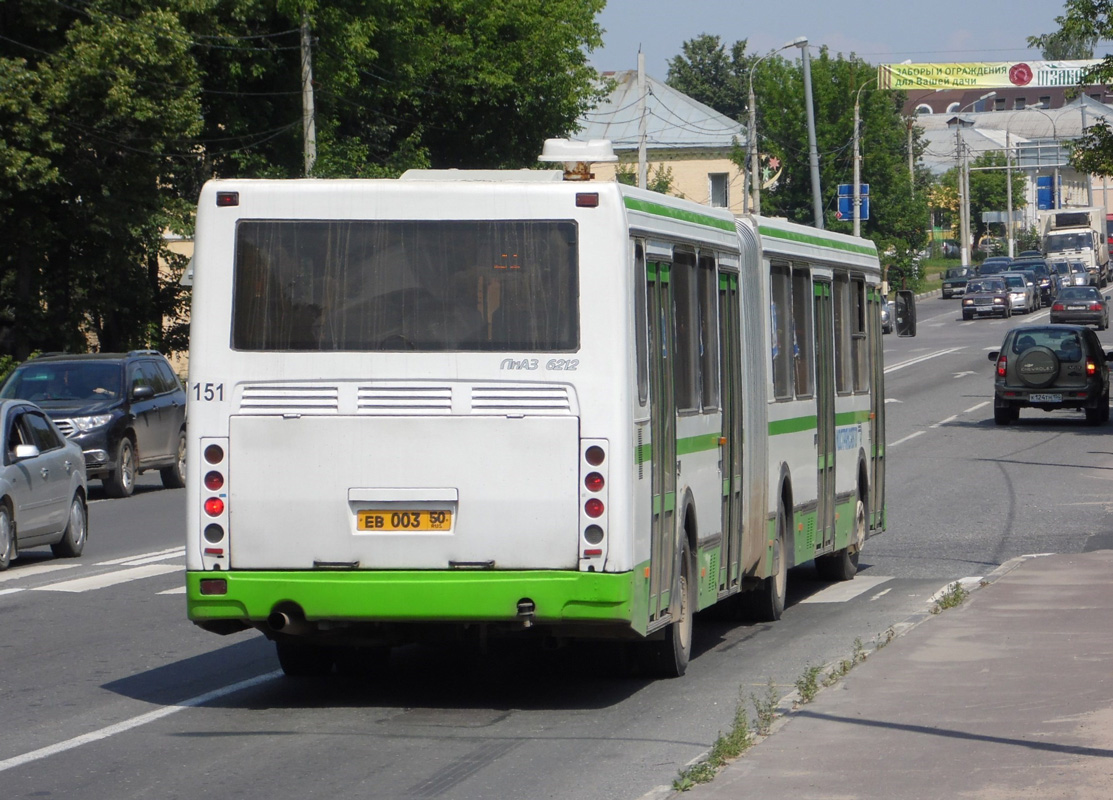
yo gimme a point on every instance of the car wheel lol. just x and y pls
(76, 532)
(7, 538)
(1094, 415)
(174, 477)
(967, 317)
(120, 482)
(1002, 415)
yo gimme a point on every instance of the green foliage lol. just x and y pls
(1084, 24)
(113, 115)
(954, 596)
(1028, 239)
(988, 190)
(807, 685)
(658, 179)
(727, 746)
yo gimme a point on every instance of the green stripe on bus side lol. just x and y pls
(852, 417)
(813, 239)
(697, 444)
(794, 425)
(643, 453)
(413, 595)
(634, 204)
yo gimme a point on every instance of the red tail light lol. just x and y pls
(594, 508)
(1002, 364)
(1091, 368)
(1095, 306)
(214, 506)
(594, 482)
(1057, 307)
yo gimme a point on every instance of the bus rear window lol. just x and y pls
(406, 285)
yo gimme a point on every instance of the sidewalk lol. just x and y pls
(1008, 696)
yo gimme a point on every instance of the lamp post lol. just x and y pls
(813, 154)
(755, 168)
(1056, 199)
(1009, 223)
(858, 162)
(964, 176)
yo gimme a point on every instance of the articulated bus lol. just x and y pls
(461, 404)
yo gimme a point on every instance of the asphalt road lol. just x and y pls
(110, 692)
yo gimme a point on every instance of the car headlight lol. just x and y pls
(84, 424)
(999, 300)
(968, 302)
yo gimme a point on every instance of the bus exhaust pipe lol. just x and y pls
(284, 622)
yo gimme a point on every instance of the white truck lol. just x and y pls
(1077, 234)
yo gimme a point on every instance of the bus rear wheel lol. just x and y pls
(300, 660)
(668, 657)
(843, 565)
(766, 603)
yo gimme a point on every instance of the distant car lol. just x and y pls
(1024, 296)
(42, 485)
(1048, 285)
(954, 281)
(994, 265)
(986, 297)
(1030, 254)
(126, 410)
(1081, 305)
(1050, 367)
(886, 316)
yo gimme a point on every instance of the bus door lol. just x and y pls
(877, 416)
(662, 413)
(731, 452)
(825, 414)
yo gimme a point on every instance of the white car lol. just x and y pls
(42, 485)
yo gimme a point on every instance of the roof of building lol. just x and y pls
(674, 121)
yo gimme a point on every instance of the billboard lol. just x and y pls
(983, 75)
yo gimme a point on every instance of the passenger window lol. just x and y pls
(42, 433)
(781, 332)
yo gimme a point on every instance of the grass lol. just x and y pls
(954, 596)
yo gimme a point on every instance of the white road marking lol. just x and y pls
(110, 578)
(36, 569)
(881, 594)
(893, 400)
(920, 359)
(951, 418)
(169, 553)
(138, 562)
(176, 590)
(134, 722)
(965, 373)
(972, 409)
(10, 591)
(905, 439)
(847, 590)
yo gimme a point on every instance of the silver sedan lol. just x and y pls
(42, 485)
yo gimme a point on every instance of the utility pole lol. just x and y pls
(813, 153)
(643, 177)
(308, 115)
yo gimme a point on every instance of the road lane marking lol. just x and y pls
(905, 439)
(920, 359)
(35, 569)
(847, 590)
(11, 591)
(175, 590)
(951, 418)
(109, 578)
(168, 553)
(881, 594)
(134, 722)
(972, 409)
(139, 562)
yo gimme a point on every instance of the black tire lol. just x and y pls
(1002, 415)
(120, 482)
(300, 660)
(843, 565)
(668, 657)
(362, 662)
(76, 533)
(174, 477)
(7, 538)
(766, 603)
(967, 317)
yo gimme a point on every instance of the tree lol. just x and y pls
(1088, 21)
(898, 199)
(658, 179)
(988, 190)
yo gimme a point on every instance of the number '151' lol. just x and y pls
(208, 391)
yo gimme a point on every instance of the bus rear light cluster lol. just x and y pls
(593, 501)
(214, 502)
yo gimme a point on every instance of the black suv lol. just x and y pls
(1051, 367)
(126, 410)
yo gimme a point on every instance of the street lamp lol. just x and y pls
(964, 176)
(813, 154)
(755, 169)
(858, 163)
(1010, 223)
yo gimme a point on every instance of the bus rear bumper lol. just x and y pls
(542, 597)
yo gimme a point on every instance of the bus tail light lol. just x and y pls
(594, 501)
(214, 504)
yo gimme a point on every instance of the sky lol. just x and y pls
(877, 31)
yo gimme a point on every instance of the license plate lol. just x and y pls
(1076, 308)
(1045, 398)
(376, 519)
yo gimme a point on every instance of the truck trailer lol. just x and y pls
(1077, 234)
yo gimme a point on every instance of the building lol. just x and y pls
(692, 141)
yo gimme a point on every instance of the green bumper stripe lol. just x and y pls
(416, 596)
(647, 207)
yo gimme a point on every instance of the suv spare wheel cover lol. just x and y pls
(1038, 366)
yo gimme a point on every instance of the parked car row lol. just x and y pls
(66, 418)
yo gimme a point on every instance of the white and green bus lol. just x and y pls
(486, 403)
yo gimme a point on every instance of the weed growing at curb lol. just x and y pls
(765, 708)
(954, 596)
(807, 685)
(726, 747)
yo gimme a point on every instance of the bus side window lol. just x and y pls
(781, 331)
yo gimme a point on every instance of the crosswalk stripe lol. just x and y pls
(35, 569)
(170, 552)
(110, 578)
